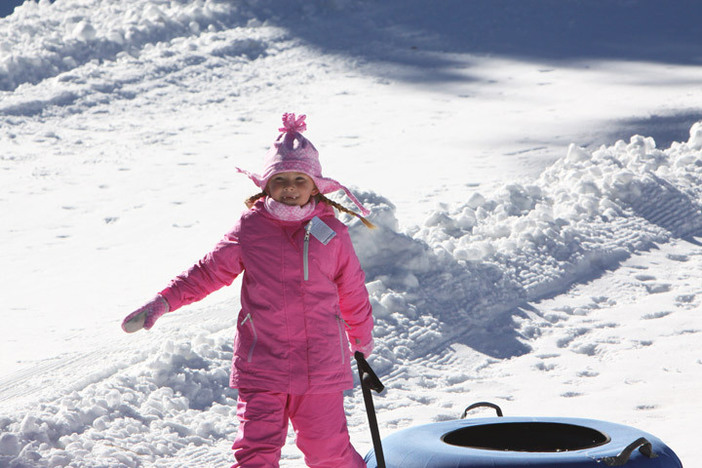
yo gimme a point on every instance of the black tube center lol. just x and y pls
(526, 437)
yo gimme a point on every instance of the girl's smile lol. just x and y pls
(291, 188)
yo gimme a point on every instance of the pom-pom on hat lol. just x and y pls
(292, 152)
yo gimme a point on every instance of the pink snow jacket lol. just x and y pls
(299, 301)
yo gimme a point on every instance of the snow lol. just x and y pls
(534, 171)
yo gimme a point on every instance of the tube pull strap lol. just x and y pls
(641, 443)
(370, 381)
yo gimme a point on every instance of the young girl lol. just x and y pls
(303, 300)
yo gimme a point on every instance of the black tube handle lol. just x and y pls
(481, 404)
(370, 381)
(367, 374)
(641, 443)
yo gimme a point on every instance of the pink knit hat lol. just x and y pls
(291, 152)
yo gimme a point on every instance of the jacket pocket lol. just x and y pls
(254, 335)
(340, 322)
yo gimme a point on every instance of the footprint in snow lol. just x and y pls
(586, 349)
(542, 366)
(572, 335)
(656, 315)
(423, 400)
(678, 258)
(606, 325)
(685, 299)
(657, 288)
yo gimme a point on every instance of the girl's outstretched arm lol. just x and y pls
(217, 269)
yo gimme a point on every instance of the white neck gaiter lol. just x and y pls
(289, 213)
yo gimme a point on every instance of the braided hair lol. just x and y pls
(318, 198)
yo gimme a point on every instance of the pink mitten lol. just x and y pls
(364, 347)
(146, 315)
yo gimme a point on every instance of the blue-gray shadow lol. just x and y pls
(402, 31)
(665, 129)
(8, 6)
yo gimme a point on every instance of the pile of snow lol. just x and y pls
(86, 54)
(73, 34)
(176, 398)
(472, 263)
(96, 32)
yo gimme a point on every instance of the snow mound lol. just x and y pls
(78, 57)
(74, 33)
(45, 39)
(463, 272)
(178, 397)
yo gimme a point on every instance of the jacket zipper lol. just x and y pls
(249, 318)
(341, 335)
(305, 253)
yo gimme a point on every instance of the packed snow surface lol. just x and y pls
(534, 170)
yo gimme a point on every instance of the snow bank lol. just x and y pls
(90, 52)
(74, 33)
(44, 39)
(179, 397)
(470, 264)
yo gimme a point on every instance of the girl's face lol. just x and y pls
(291, 188)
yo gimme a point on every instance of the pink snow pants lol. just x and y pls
(319, 422)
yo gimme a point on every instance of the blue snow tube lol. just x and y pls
(507, 442)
